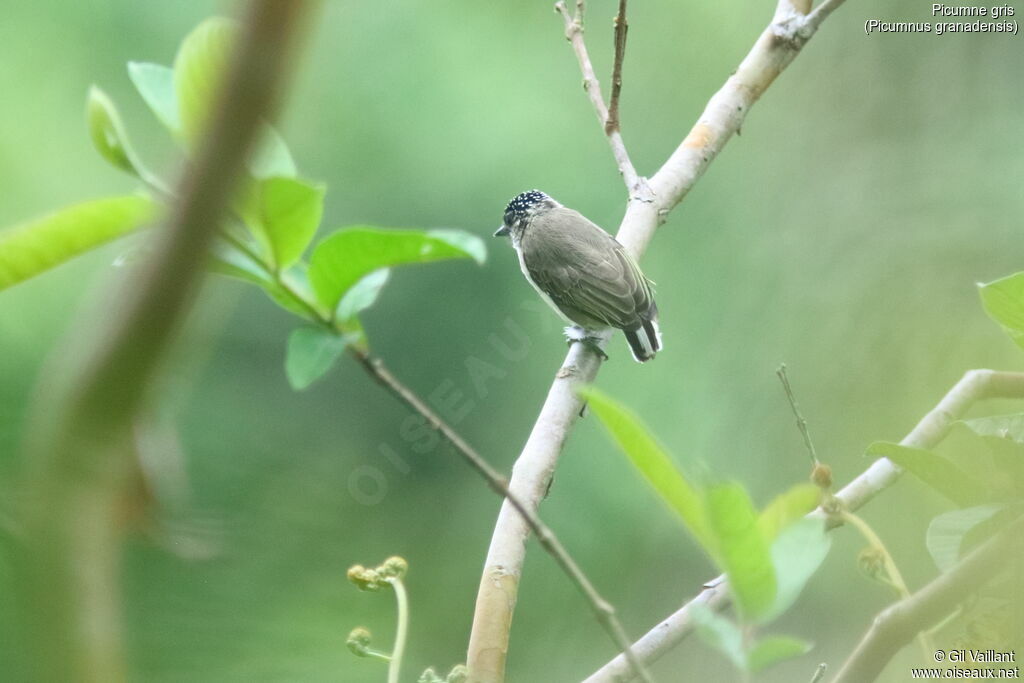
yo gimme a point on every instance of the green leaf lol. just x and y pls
(272, 157)
(1008, 427)
(1003, 300)
(284, 215)
(720, 633)
(1003, 439)
(30, 248)
(654, 464)
(742, 551)
(786, 508)
(229, 261)
(464, 241)
(348, 255)
(947, 531)
(775, 649)
(311, 353)
(199, 68)
(107, 131)
(938, 472)
(155, 83)
(362, 294)
(796, 555)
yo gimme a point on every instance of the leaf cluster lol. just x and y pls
(270, 227)
(768, 555)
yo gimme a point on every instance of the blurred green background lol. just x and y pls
(843, 233)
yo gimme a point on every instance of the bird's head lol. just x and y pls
(521, 210)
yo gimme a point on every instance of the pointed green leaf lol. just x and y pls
(346, 256)
(654, 464)
(742, 551)
(199, 69)
(30, 248)
(107, 132)
(464, 241)
(786, 508)
(311, 353)
(936, 471)
(155, 83)
(1003, 300)
(720, 633)
(946, 532)
(775, 649)
(796, 555)
(272, 157)
(284, 214)
(362, 294)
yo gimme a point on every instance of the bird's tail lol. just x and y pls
(644, 341)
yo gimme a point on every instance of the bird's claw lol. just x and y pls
(575, 335)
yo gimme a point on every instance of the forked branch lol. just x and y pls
(574, 34)
(650, 202)
(976, 385)
(899, 623)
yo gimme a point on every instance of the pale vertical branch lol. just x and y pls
(899, 623)
(650, 202)
(79, 457)
(976, 385)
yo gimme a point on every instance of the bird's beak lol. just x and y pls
(502, 231)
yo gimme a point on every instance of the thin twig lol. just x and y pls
(375, 367)
(603, 610)
(621, 29)
(80, 455)
(819, 673)
(532, 473)
(899, 623)
(801, 423)
(574, 34)
(974, 386)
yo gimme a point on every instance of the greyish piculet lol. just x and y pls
(583, 273)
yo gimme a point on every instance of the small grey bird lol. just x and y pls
(583, 273)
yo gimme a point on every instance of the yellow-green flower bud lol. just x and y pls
(359, 642)
(394, 567)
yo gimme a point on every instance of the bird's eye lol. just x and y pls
(509, 217)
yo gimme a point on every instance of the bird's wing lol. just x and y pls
(582, 268)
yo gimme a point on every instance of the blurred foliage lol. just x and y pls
(768, 557)
(873, 185)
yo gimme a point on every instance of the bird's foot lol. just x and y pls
(592, 341)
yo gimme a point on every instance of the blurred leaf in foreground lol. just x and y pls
(33, 247)
(1003, 300)
(654, 464)
(941, 474)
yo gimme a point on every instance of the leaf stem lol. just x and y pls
(401, 632)
(895, 579)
